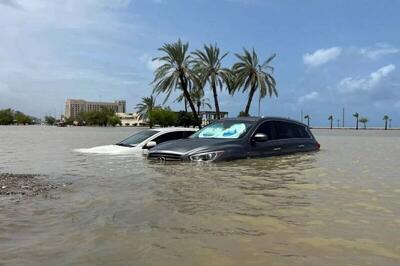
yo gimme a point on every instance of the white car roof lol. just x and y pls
(172, 129)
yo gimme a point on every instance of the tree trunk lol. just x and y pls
(331, 123)
(214, 89)
(191, 105)
(185, 105)
(357, 124)
(252, 91)
(385, 124)
(198, 107)
(308, 122)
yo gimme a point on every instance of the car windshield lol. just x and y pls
(137, 138)
(224, 130)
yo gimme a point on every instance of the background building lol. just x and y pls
(75, 107)
(130, 119)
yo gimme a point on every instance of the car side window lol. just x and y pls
(287, 130)
(168, 136)
(302, 132)
(268, 129)
(284, 130)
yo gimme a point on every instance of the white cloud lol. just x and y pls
(350, 85)
(312, 96)
(378, 51)
(150, 64)
(322, 56)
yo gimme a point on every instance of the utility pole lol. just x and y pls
(301, 118)
(343, 117)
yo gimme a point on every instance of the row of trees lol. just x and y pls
(364, 120)
(104, 117)
(11, 117)
(190, 73)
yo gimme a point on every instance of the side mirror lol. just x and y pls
(260, 137)
(150, 144)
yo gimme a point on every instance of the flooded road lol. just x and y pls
(339, 206)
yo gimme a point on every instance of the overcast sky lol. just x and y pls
(330, 54)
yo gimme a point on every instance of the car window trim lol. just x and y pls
(275, 130)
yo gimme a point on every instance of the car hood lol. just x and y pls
(184, 146)
(109, 149)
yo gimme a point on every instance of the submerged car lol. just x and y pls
(142, 140)
(239, 138)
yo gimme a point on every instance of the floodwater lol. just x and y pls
(339, 206)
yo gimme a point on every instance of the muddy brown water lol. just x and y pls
(339, 206)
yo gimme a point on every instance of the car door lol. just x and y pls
(290, 136)
(268, 148)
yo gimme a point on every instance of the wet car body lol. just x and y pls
(261, 137)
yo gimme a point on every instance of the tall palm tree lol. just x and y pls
(198, 98)
(308, 117)
(175, 73)
(331, 119)
(364, 120)
(386, 118)
(251, 76)
(145, 107)
(208, 65)
(356, 115)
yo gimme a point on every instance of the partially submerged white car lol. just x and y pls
(142, 141)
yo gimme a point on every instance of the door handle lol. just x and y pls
(277, 149)
(301, 146)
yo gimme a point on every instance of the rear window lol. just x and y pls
(285, 130)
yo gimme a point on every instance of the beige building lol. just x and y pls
(130, 119)
(75, 107)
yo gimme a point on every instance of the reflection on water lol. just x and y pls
(336, 206)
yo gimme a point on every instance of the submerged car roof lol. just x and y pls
(263, 118)
(172, 129)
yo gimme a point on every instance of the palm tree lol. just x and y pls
(390, 123)
(198, 98)
(250, 75)
(308, 117)
(386, 118)
(331, 119)
(208, 65)
(175, 73)
(356, 115)
(145, 107)
(364, 120)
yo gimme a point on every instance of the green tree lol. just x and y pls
(242, 114)
(208, 65)
(145, 107)
(251, 76)
(6, 117)
(185, 119)
(163, 117)
(308, 117)
(330, 118)
(356, 115)
(22, 119)
(364, 120)
(50, 120)
(113, 120)
(386, 118)
(175, 73)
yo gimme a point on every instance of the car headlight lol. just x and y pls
(205, 157)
